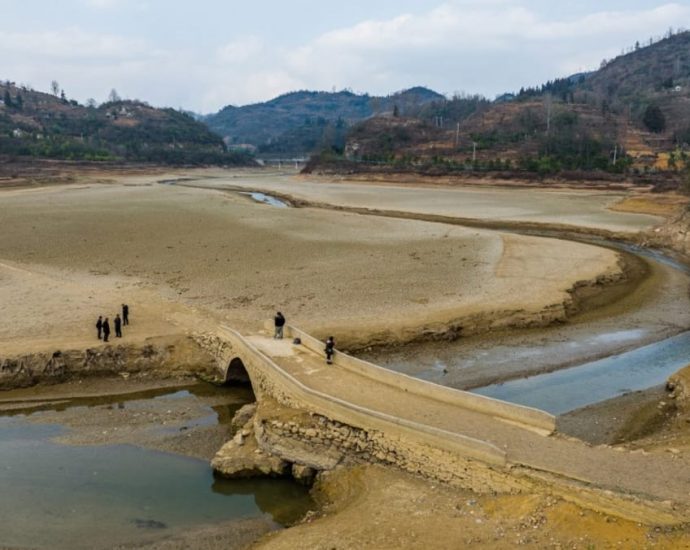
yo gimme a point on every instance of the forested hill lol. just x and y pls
(41, 125)
(632, 116)
(304, 121)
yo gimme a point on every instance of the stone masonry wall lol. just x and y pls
(160, 356)
(317, 442)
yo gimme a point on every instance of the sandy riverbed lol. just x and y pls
(183, 257)
(186, 258)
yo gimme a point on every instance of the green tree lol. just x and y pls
(654, 119)
(7, 99)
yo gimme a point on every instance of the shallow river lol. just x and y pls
(91, 496)
(565, 390)
(631, 363)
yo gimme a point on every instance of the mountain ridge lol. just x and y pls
(40, 125)
(301, 121)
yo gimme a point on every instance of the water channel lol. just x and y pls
(57, 495)
(639, 356)
(564, 390)
(267, 199)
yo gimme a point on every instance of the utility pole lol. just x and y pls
(548, 100)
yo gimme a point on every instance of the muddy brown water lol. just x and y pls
(99, 496)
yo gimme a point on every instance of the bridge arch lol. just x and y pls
(236, 372)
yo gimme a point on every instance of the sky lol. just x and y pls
(201, 55)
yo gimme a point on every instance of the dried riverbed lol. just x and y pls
(337, 271)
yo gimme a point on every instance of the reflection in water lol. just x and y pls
(238, 397)
(273, 496)
(565, 390)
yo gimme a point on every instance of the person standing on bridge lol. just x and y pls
(279, 322)
(330, 350)
(99, 326)
(125, 314)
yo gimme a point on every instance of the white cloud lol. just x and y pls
(103, 4)
(471, 42)
(476, 46)
(71, 43)
(112, 4)
(240, 50)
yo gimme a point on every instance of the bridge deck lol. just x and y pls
(661, 476)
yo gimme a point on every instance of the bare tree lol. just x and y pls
(113, 96)
(55, 88)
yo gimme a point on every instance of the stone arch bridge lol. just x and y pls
(446, 434)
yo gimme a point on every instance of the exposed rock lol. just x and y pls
(303, 474)
(247, 460)
(242, 457)
(243, 416)
(679, 386)
(299, 448)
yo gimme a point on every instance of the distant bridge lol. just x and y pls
(297, 162)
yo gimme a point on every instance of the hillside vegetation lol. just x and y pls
(40, 125)
(632, 116)
(306, 122)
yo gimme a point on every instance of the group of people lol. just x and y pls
(279, 322)
(103, 325)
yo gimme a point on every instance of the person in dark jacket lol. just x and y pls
(99, 327)
(279, 321)
(125, 314)
(118, 326)
(106, 330)
(330, 350)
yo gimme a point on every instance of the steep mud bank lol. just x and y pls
(674, 235)
(583, 297)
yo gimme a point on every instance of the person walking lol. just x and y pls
(118, 326)
(99, 327)
(330, 350)
(125, 314)
(106, 330)
(279, 321)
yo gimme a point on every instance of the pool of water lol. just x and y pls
(88, 496)
(565, 390)
(267, 199)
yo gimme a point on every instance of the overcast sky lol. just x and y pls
(204, 54)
